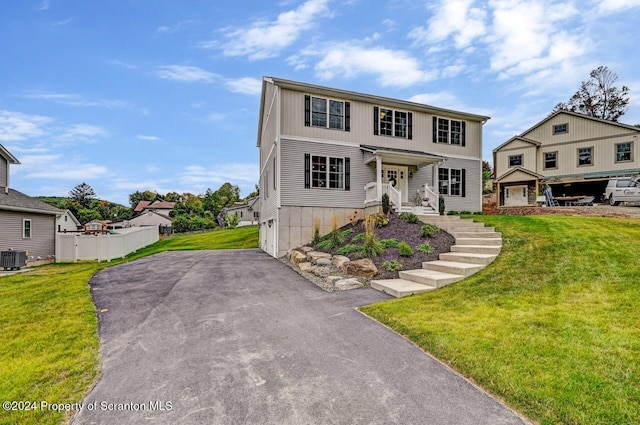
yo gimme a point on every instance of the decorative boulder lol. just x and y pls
(304, 266)
(314, 256)
(331, 280)
(339, 260)
(346, 284)
(306, 249)
(298, 257)
(363, 267)
(323, 262)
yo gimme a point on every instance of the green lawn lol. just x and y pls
(48, 327)
(552, 326)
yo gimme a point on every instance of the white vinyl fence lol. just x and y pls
(74, 247)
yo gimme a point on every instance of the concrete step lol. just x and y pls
(477, 249)
(452, 267)
(479, 241)
(475, 229)
(441, 217)
(400, 287)
(467, 257)
(430, 277)
(488, 234)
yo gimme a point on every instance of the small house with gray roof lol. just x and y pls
(26, 224)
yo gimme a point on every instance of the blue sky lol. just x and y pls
(130, 95)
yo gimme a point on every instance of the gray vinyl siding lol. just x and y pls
(472, 201)
(361, 131)
(268, 195)
(4, 168)
(292, 180)
(42, 241)
(420, 177)
(269, 132)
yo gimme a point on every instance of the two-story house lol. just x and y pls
(574, 154)
(328, 155)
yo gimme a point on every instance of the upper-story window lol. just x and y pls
(623, 152)
(448, 131)
(326, 113)
(515, 160)
(389, 122)
(561, 128)
(550, 160)
(585, 156)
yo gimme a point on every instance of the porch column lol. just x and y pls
(434, 178)
(378, 177)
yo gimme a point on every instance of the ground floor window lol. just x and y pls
(452, 181)
(26, 228)
(326, 172)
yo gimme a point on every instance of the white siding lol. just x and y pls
(529, 158)
(293, 190)
(269, 131)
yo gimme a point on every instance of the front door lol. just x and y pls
(516, 195)
(397, 174)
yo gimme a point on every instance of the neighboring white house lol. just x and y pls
(68, 222)
(248, 213)
(573, 153)
(328, 155)
(150, 218)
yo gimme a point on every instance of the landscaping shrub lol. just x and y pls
(371, 246)
(404, 249)
(452, 212)
(392, 265)
(349, 249)
(441, 205)
(346, 233)
(410, 217)
(428, 230)
(316, 231)
(426, 248)
(381, 219)
(359, 238)
(386, 207)
(389, 243)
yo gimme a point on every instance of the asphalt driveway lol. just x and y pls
(237, 337)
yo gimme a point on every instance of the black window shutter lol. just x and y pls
(347, 174)
(347, 116)
(307, 110)
(375, 120)
(463, 126)
(464, 182)
(435, 129)
(410, 125)
(307, 171)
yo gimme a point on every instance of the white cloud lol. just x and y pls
(81, 133)
(17, 126)
(185, 73)
(351, 59)
(122, 64)
(168, 29)
(453, 17)
(75, 99)
(246, 85)
(148, 138)
(614, 6)
(58, 167)
(264, 39)
(63, 22)
(220, 173)
(44, 5)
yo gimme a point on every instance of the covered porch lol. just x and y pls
(396, 171)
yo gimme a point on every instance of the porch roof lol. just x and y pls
(401, 156)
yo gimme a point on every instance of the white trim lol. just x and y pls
(24, 222)
(265, 125)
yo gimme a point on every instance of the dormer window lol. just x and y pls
(561, 129)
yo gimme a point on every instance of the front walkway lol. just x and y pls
(237, 337)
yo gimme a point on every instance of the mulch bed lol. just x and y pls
(401, 230)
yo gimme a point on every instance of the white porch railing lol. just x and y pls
(433, 197)
(371, 194)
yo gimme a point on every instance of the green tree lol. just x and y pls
(138, 196)
(487, 171)
(82, 194)
(254, 193)
(598, 97)
(85, 215)
(172, 197)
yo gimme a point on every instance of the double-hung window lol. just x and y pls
(550, 160)
(452, 132)
(26, 228)
(326, 113)
(452, 181)
(585, 156)
(623, 152)
(326, 172)
(389, 122)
